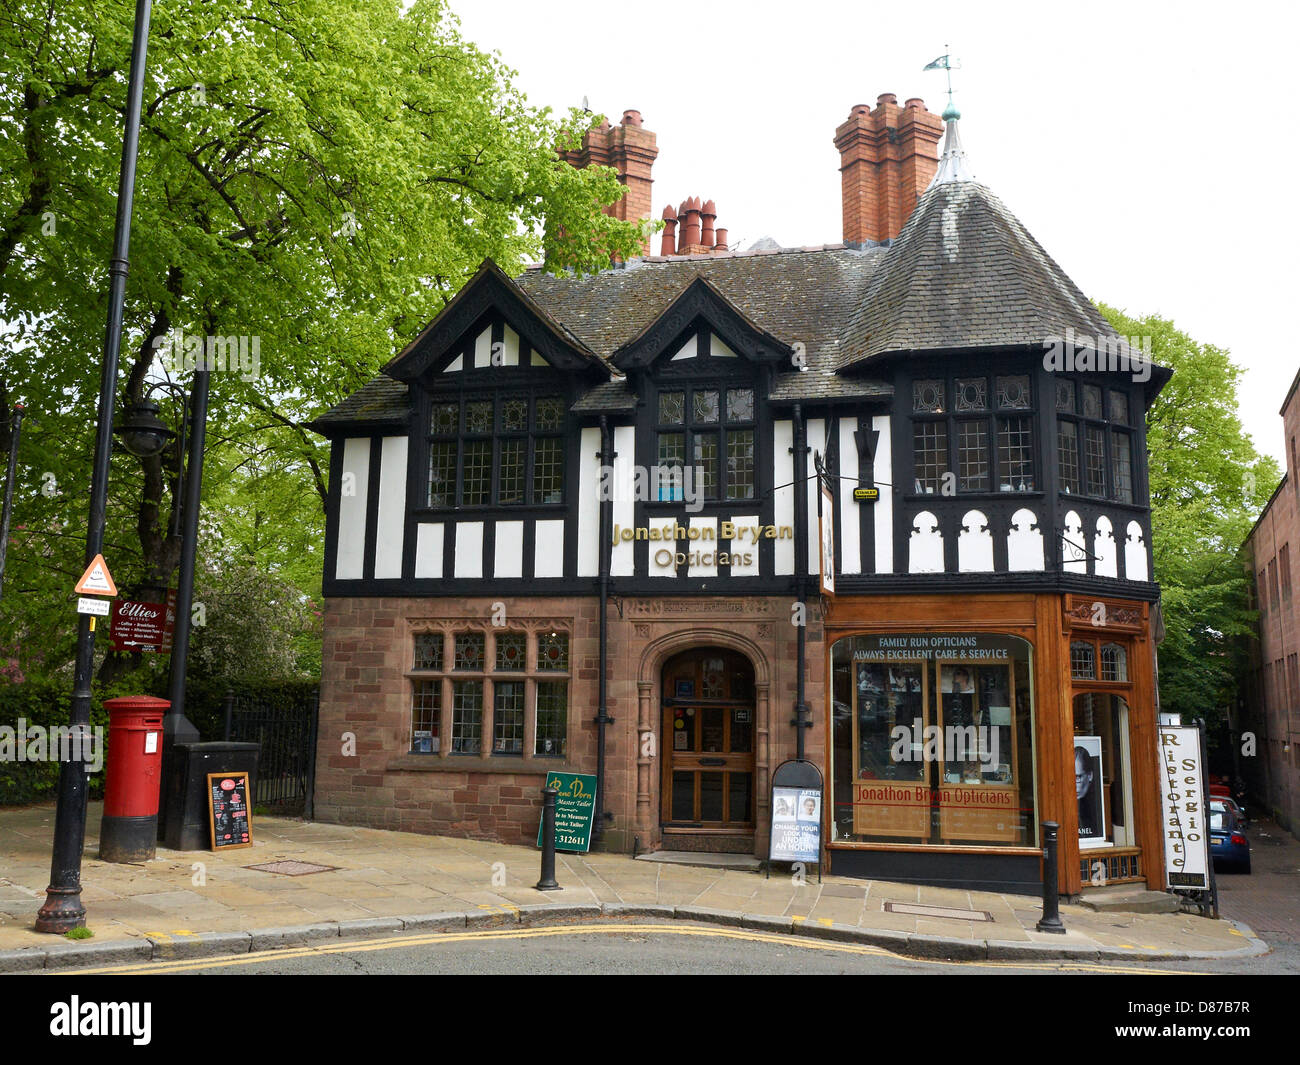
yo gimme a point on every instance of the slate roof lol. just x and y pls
(381, 401)
(964, 273)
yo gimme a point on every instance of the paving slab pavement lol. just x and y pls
(203, 903)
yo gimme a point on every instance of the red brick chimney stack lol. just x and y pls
(709, 212)
(630, 149)
(887, 157)
(668, 244)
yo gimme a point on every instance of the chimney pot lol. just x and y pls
(720, 244)
(669, 213)
(886, 98)
(709, 212)
(859, 109)
(916, 101)
(631, 118)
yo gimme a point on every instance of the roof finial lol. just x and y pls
(944, 62)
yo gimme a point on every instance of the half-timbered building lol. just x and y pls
(656, 522)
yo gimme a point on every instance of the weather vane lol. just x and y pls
(944, 62)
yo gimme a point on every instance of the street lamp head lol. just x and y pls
(142, 432)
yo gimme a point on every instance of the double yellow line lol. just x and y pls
(551, 931)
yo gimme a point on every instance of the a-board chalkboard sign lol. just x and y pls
(229, 818)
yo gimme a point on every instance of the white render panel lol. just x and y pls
(745, 547)
(718, 349)
(850, 560)
(1135, 553)
(884, 506)
(469, 549)
(783, 498)
(1024, 542)
(816, 443)
(688, 350)
(391, 519)
(509, 561)
(666, 524)
(974, 544)
(483, 349)
(703, 546)
(548, 548)
(588, 500)
(1104, 549)
(458, 363)
(428, 550)
(623, 557)
(925, 549)
(510, 356)
(354, 491)
(1074, 545)
(536, 360)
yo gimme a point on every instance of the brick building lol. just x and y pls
(1271, 709)
(655, 523)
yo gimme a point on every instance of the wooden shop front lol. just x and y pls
(960, 723)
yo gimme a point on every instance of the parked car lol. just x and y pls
(1229, 847)
(1235, 807)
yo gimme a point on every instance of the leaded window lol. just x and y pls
(1067, 446)
(426, 717)
(1065, 396)
(695, 427)
(1121, 457)
(1091, 395)
(1095, 459)
(927, 397)
(1119, 407)
(1013, 393)
(428, 650)
(466, 717)
(972, 456)
(508, 717)
(552, 712)
(469, 651)
(930, 446)
(1083, 662)
(971, 394)
(503, 450)
(1114, 662)
(1016, 454)
(512, 651)
(525, 675)
(553, 651)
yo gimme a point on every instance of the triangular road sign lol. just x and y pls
(96, 580)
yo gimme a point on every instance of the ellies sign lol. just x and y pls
(575, 808)
(136, 626)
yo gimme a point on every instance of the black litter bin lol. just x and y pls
(185, 795)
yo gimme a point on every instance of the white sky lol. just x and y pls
(1145, 145)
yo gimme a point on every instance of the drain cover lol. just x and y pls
(938, 911)
(292, 867)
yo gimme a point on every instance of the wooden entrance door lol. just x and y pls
(708, 741)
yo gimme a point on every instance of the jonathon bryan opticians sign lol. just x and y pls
(727, 530)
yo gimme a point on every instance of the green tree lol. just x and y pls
(319, 177)
(1208, 485)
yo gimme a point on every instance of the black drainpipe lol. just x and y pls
(602, 714)
(801, 722)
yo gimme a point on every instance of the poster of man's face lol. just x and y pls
(1087, 787)
(957, 679)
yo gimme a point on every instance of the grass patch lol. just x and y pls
(78, 933)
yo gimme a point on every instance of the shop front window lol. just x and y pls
(1101, 770)
(933, 740)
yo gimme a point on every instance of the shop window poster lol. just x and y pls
(1088, 789)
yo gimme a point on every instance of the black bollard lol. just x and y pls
(1051, 921)
(548, 882)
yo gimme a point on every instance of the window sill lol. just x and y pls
(966, 497)
(509, 765)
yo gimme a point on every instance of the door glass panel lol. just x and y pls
(710, 796)
(739, 787)
(742, 730)
(683, 796)
(683, 729)
(713, 729)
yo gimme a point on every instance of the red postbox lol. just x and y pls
(129, 832)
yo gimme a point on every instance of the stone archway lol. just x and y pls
(654, 656)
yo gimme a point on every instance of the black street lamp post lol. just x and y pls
(144, 435)
(63, 909)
